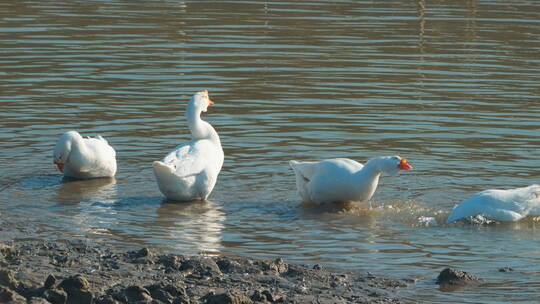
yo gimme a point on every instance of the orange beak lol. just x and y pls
(210, 102)
(59, 165)
(404, 165)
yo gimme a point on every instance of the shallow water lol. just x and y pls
(452, 86)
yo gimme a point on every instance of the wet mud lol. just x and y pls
(78, 272)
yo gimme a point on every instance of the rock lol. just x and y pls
(339, 280)
(143, 256)
(161, 295)
(453, 276)
(50, 282)
(37, 300)
(182, 301)
(299, 271)
(168, 293)
(61, 260)
(76, 282)
(27, 289)
(8, 279)
(77, 289)
(227, 265)
(203, 267)
(258, 296)
(6, 251)
(106, 299)
(170, 262)
(144, 252)
(263, 296)
(226, 298)
(55, 296)
(9, 296)
(80, 297)
(136, 293)
(506, 269)
(278, 265)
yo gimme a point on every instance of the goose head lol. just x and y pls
(63, 149)
(201, 101)
(392, 165)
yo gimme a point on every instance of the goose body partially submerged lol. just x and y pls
(500, 205)
(343, 180)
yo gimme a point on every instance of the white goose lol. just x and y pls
(83, 158)
(500, 205)
(190, 171)
(343, 180)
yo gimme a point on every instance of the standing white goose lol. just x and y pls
(83, 158)
(500, 205)
(190, 171)
(343, 180)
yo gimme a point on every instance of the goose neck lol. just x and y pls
(368, 173)
(373, 167)
(199, 128)
(366, 181)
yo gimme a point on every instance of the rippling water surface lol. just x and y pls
(451, 85)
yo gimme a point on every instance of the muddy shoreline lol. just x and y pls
(80, 272)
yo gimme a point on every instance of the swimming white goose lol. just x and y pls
(83, 158)
(190, 171)
(342, 179)
(500, 205)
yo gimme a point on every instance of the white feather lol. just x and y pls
(190, 171)
(85, 157)
(341, 179)
(500, 205)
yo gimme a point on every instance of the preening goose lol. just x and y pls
(82, 158)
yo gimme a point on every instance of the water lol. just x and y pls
(451, 85)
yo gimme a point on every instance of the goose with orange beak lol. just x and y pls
(189, 172)
(341, 180)
(82, 158)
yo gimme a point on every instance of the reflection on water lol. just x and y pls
(451, 85)
(195, 227)
(96, 189)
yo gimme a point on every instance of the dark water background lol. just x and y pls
(451, 85)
